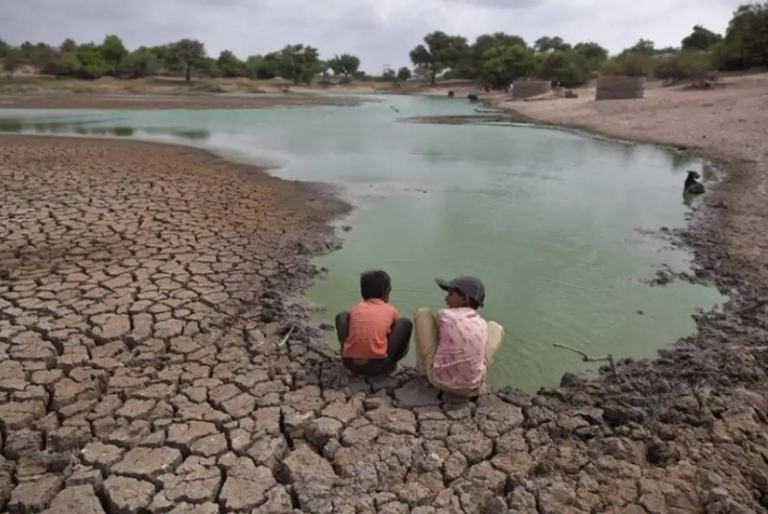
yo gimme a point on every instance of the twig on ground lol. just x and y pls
(587, 358)
(285, 339)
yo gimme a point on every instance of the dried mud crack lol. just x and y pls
(144, 291)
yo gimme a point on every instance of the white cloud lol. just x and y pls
(379, 31)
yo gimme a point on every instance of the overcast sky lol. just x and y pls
(378, 31)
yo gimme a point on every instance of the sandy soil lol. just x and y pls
(145, 294)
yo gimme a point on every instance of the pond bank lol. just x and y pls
(143, 308)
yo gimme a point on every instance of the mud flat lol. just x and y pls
(145, 297)
(48, 100)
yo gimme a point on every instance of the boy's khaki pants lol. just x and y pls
(428, 339)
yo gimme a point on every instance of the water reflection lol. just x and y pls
(86, 128)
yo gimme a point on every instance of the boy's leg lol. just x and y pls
(342, 327)
(495, 338)
(399, 340)
(425, 328)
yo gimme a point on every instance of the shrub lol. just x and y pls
(685, 65)
(630, 65)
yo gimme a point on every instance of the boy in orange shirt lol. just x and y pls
(374, 336)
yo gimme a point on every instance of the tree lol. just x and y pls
(64, 65)
(642, 47)
(685, 65)
(546, 44)
(230, 65)
(210, 68)
(629, 65)
(593, 55)
(68, 45)
(472, 66)
(344, 64)
(389, 74)
(113, 51)
(13, 60)
(188, 54)
(701, 39)
(404, 74)
(746, 41)
(139, 63)
(299, 63)
(503, 66)
(91, 62)
(5, 48)
(565, 67)
(440, 53)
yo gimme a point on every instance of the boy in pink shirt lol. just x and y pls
(455, 348)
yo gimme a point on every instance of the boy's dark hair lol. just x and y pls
(375, 285)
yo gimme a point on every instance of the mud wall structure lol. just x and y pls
(620, 88)
(527, 88)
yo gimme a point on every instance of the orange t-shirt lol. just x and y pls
(369, 325)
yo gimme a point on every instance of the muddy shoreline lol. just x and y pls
(231, 419)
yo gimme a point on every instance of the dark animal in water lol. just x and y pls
(692, 186)
(394, 109)
(473, 98)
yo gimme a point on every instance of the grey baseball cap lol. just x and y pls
(471, 287)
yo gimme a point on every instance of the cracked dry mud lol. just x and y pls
(144, 291)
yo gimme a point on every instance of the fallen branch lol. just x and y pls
(586, 358)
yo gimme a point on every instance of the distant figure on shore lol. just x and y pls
(692, 186)
(455, 348)
(374, 337)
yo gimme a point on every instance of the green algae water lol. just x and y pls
(559, 226)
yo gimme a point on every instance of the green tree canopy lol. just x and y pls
(91, 62)
(344, 64)
(68, 45)
(187, 54)
(701, 39)
(546, 43)
(594, 56)
(644, 47)
(299, 63)
(404, 73)
(230, 65)
(439, 53)
(139, 63)
(64, 65)
(504, 65)
(471, 67)
(746, 41)
(5, 48)
(565, 67)
(113, 51)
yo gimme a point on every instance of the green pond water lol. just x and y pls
(558, 225)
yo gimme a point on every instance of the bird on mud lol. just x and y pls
(692, 186)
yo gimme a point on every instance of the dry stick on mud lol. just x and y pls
(587, 358)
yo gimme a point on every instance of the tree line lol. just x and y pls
(499, 59)
(299, 63)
